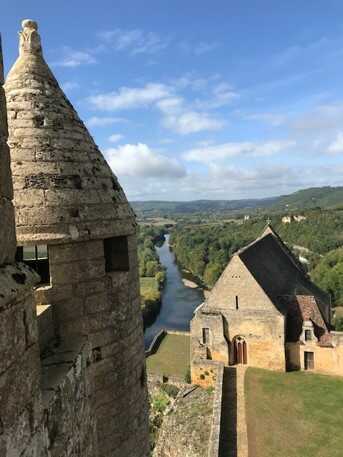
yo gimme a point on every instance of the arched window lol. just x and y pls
(241, 352)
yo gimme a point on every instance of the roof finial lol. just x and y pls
(29, 41)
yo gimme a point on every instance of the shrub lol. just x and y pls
(170, 390)
(160, 402)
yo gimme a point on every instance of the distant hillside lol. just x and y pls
(324, 197)
(167, 208)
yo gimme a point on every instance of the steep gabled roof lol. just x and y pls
(278, 273)
(64, 189)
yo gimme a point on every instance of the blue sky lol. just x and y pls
(197, 99)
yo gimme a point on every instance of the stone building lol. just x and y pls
(87, 380)
(264, 311)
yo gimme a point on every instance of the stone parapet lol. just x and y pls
(213, 448)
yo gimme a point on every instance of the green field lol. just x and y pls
(294, 414)
(172, 357)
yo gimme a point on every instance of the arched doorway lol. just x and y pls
(240, 348)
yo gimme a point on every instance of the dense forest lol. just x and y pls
(151, 272)
(205, 250)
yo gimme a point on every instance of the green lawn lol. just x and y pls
(172, 357)
(294, 414)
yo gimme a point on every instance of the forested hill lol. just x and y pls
(323, 197)
(163, 208)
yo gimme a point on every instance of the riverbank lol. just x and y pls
(151, 272)
(151, 292)
(177, 301)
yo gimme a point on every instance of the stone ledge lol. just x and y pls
(65, 362)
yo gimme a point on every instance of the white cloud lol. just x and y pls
(183, 120)
(229, 182)
(222, 94)
(73, 58)
(224, 151)
(96, 121)
(322, 118)
(177, 116)
(191, 122)
(273, 119)
(205, 47)
(130, 97)
(115, 137)
(68, 86)
(336, 147)
(135, 41)
(138, 160)
(199, 48)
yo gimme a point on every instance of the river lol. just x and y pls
(178, 301)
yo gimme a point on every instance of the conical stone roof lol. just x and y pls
(63, 188)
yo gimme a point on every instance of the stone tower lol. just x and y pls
(76, 228)
(20, 395)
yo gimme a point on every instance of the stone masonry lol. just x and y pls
(20, 396)
(91, 379)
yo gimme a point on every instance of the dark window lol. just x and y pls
(37, 258)
(236, 301)
(205, 335)
(309, 360)
(308, 335)
(116, 254)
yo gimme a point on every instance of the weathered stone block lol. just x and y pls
(7, 232)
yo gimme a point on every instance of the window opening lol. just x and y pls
(37, 258)
(205, 335)
(116, 254)
(236, 301)
(308, 335)
(309, 360)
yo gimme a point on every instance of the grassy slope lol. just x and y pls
(294, 414)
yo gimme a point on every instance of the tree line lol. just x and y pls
(205, 250)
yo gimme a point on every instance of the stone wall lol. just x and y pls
(69, 425)
(104, 308)
(213, 448)
(237, 281)
(327, 360)
(21, 428)
(204, 372)
(264, 333)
